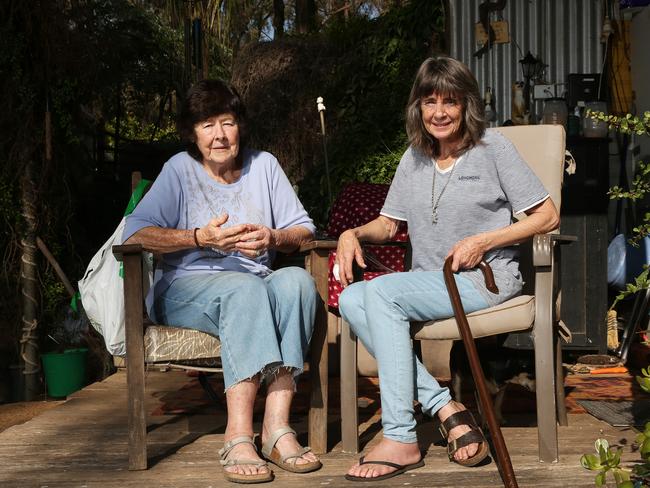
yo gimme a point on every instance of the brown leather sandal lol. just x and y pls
(474, 436)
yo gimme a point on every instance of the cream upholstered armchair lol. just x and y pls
(537, 310)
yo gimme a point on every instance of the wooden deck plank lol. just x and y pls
(83, 442)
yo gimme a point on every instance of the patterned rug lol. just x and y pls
(191, 398)
(601, 387)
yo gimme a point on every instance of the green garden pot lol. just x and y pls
(65, 372)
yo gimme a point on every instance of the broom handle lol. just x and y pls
(507, 473)
(57, 268)
(321, 111)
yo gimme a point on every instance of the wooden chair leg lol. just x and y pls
(316, 263)
(137, 415)
(133, 311)
(349, 410)
(332, 328)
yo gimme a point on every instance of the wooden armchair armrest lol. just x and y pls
(319, 244)
(126, 249)
(332, 243)
(131, 257)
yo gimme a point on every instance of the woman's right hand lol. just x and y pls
(218, 238)
(348, 250)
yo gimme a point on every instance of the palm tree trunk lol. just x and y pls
(29, 354)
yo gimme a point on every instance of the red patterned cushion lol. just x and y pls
(358, 204)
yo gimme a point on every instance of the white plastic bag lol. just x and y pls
(102, 292)
(102, 286)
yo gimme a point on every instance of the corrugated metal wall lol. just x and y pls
(564, 33)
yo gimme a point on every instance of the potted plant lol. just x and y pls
(64, 367)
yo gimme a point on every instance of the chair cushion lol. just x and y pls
(512, 315)
(390, 256)
(165, 343)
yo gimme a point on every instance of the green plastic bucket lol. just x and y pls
(65, 372)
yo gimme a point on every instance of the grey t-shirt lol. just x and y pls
(488, 184)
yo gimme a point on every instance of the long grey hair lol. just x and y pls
(445, 76)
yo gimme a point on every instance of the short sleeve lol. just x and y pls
(160, 207)
(287, 209)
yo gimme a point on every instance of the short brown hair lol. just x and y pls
(205, 99)
(445, 76)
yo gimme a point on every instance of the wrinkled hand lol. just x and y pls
(222, 239)
(468, 252)
(256, 241)
(347, 251)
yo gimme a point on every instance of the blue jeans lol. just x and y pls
(379, 312)
(263, 323)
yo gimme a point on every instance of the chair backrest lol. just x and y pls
(542, 147)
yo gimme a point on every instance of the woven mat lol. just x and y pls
(623, 413)
(600, 387)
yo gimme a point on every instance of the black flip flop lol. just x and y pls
(399, 469)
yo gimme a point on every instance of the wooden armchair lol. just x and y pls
(147, 343)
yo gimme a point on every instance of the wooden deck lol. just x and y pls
(83, 443)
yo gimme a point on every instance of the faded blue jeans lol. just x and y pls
(379, 312)
(263, 323)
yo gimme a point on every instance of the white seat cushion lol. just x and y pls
(514, 315)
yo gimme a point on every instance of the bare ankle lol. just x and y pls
(232, 434)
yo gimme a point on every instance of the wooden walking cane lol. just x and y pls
(507, 473)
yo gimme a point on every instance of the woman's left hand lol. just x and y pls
(467, 253)
(256, 242)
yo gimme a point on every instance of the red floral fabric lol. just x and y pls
(356, 205)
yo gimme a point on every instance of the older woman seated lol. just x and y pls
(457, 187)
(217, 214)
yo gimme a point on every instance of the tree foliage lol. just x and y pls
(84, 61)
(363, 67)
(110, 72)
(628, 124)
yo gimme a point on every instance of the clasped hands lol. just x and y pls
(467, 253)
(251, 240)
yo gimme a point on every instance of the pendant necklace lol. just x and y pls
(435, 202)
